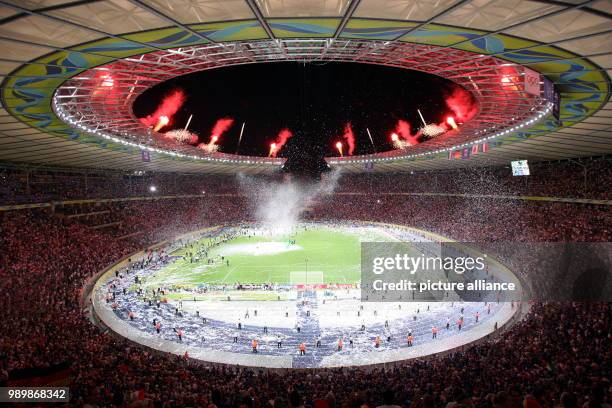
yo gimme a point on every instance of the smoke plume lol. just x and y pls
(279, 205)
(169, 105)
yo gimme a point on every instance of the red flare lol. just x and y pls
(403, 130)
(349, 136)
(339, 147)
(282, 137)
(399, 143)
(462, 104)
(161, 122)
(280, 141)
(170, 104)
(221, 126)
(451, 121)
(211, 146)
(272, 150)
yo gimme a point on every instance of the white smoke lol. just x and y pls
(278, 205)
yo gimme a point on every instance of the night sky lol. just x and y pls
(313, 100)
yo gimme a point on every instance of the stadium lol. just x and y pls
(315, 203)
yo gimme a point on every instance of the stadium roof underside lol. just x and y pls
(48, 43)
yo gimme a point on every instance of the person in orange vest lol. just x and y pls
(158, 327)
(459, 323)
(409, 340)
(254, 345)
(434, 332)
(302, 349)
(377, 342)
(131, 315)
(477, 315)
(179, 333)
(340, 344)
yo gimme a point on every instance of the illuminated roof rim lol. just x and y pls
(603, 76)
(85, 81)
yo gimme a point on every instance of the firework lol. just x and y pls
(188, 121)
(371, 140)
(422, 118)
(339, 148)
(182, 136)
(221, 126)
(430, 129)
(240, 137)
(280, 141)
(272, 150)
(169, 105)
(404, 137)
(433, 130)
(210, 147)
(399, 143)
(161, 122)
(462, 104)
(349, 136)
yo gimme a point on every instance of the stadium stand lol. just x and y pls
(48, 256)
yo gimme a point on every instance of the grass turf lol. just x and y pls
(333, 252)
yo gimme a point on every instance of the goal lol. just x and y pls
(306, 278)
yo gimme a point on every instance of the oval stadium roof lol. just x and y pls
(49, 42)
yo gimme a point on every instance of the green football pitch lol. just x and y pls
(318, 254)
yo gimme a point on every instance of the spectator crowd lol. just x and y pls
(558, 356)
(588, 178)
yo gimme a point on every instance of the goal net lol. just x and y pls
(306, 278)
